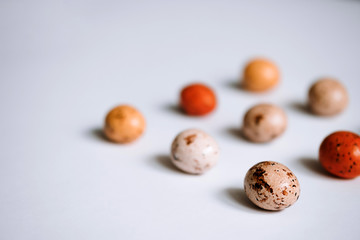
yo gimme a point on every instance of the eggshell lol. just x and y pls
(339, 154)
(124, 124)
(264, 122)
(194, 151)
(197, 99)
(327, 97)
(271, 186)
(260, 75)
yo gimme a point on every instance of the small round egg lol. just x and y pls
(124, 124)
(271, 186)
(339, 154)
(197, 99)
(260, 75)
(327, 97)
(264, 122)
(194, 151)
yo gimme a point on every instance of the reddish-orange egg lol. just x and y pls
(197, 99)
(339, 154)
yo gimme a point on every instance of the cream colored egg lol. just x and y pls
(194, 151)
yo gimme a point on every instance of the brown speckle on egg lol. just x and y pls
(190, 139)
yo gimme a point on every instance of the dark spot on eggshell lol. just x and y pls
(264, 199)
(260, 181)
(258, 119)
(257, 186)
(259, 172)
(190, 139)
(175, 157)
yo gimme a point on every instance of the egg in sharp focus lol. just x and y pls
(271, 186)
(194, 151)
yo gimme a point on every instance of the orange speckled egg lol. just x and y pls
(260, 75)
(124, 124)
(339, 154)
(197, 99)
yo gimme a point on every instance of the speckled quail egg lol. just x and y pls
(194, 151)
(271, 186)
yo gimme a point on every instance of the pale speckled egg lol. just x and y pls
(271, 186)
(264, 122)
(327, 97)
(194, 151)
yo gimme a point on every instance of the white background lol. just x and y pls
(64, 64)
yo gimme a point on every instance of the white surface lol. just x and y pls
(64, 64)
